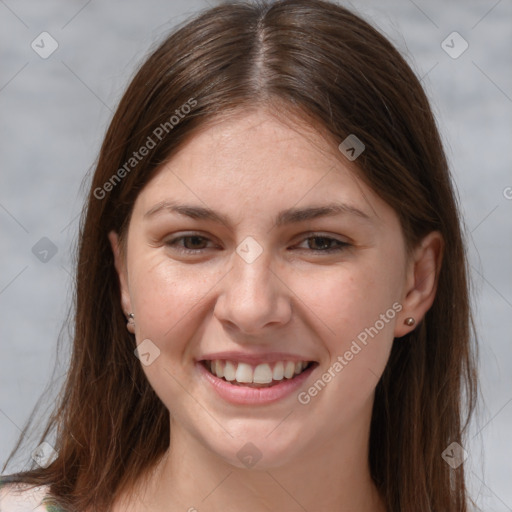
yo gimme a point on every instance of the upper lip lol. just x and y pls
(246, 357)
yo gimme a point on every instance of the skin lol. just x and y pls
(290, 299)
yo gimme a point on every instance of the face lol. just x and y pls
(231, 266)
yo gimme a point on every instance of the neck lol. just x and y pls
(332, 475)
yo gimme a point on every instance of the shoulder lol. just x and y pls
(22, 497)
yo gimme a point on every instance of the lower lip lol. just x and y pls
(242, 395)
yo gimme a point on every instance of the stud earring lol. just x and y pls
(409, 321)
(131, 322)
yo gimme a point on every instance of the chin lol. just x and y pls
(257, 452)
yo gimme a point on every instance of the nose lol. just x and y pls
(254, 296)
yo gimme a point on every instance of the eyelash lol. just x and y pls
(342, 245)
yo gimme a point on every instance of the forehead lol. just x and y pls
(254, 143)
(256, 160)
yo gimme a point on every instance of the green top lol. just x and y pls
(14, 495)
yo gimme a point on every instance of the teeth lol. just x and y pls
(229, 370)
(244, 373)
(278, 373)
(219, 370)
(261, 374)
(289, 369)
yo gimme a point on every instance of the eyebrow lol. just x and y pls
(284, 217)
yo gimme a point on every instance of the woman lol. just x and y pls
(271, 300)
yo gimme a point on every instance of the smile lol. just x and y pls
(242, 383)
(261, 375)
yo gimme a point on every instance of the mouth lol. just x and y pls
(263, 375)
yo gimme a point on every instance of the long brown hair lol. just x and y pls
(330, 69)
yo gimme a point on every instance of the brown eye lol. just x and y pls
(325, 244)
(191, 243)
(195, 244)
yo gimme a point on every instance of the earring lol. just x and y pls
(409, 321)
(131, 322)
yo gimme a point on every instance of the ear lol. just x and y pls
(421, 281)
(120, 264)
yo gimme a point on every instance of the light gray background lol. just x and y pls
(54, 113)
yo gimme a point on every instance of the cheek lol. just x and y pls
(348, 298)
(168, 298)
(162, 294)
(356, 308)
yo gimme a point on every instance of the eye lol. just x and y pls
(325, 244)
(317, 243)
(194, 241)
